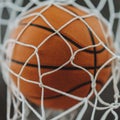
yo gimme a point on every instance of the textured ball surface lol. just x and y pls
(55, 52)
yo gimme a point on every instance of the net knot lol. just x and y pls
(41, 85)
(115, 105)
(36, 50)
(93, 85)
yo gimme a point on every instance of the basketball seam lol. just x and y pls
(73, 89)
(67, 38)
(55, 67)
(94, 49)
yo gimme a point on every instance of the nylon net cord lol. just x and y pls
(16, 98)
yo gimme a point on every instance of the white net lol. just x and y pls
(105, 104)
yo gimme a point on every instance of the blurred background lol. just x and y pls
(106, 95)
(2, 99)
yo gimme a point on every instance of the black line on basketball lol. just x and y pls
(94, 49)
(55, 67)
(73, 89)
(67, 38)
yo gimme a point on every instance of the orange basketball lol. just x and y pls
(53, 51)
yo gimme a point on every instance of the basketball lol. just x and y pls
(49, 37)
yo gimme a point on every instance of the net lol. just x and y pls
(105, 104)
